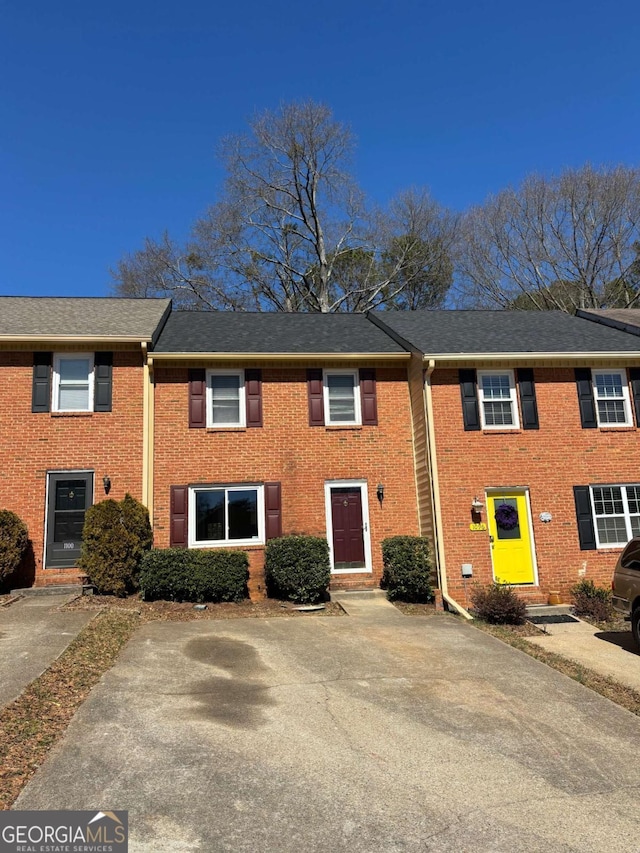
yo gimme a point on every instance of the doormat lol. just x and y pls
(552, 619)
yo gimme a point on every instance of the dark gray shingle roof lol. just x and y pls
(473, 332)
(50, 317)
(625, 319)
(240, 332)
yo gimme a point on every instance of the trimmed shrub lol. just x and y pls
(591, 601)
(14, 538)
(498, 604)
(297, 568)
(408, 568)
(177, 574)
(115, 536)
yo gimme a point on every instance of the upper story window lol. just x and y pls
(226, 405)
(226, 515)
(611, 392)
(498, 404)
(342, 397)
(73, 383)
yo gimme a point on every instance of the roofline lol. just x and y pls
(629, 328)
(529, 356)
(280, 356)
(161, 324)
(75, 339)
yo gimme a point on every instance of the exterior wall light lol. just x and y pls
(380, 492)
(106, 482)
(476, 505)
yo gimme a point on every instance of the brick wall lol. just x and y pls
(549, 461)
(287, 450)
(33, 444)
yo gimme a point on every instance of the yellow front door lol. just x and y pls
(511, 549)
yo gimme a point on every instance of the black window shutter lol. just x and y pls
(197, 398)
(469, 394)
(41, 386)
(585, 398)
(253, 395)
(179, 517)
(528, 405)
(634, 376)
(102, 381)
(586, 532)
(315, 394)
(368, 396)
(273, 510)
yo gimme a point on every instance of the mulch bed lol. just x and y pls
(416, 609)
(183, 611)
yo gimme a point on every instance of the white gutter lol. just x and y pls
(282, 356)
(435, 495)
(533, 356)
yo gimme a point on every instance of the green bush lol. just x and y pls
(592, 601)
(297, 568)
(498, 604)
(14, 538)
(177, 574)
(115, 536)
(408, 568)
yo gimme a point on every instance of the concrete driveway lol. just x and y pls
(33, 633)
(371, 733)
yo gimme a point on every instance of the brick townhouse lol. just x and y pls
(72, 411)
(527, 441)
(268, 424)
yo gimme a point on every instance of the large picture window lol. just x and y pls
(226, 515)
(498, 405)
(226, 398)
(616, 514)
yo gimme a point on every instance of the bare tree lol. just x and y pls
(292, 231)
(565, 242)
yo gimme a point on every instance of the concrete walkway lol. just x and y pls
(611, 653)
(33, 633)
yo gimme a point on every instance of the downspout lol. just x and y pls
(150, 437)
(145, 424)
(435, 494)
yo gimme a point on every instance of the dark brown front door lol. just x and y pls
(346, 520)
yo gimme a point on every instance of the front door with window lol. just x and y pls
(511, 539)
(347, 528)
(69, 496)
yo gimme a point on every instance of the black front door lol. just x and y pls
(70, 494)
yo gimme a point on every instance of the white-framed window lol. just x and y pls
(73, 382)
(341, 390)
(498, 403)
(611, 393)
(226, 405)
(616, 514)
(226, 515)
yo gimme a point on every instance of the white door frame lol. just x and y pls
(492, 491)
(366, 531)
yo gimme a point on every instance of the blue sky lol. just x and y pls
(110, 113)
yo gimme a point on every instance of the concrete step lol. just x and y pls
(549, 610)
(60, 589)
(361, 594)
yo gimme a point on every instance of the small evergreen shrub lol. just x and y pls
(408, 568)
(591, 601)
(177, 574)
(297, 568)
(115, 536)
(14, 538)
(498, 604)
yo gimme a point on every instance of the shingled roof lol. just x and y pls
(271, 333)
(44, 317)
(440, 333)
(625, 319)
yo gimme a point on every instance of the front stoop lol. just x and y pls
(550, 610)
(53, 589)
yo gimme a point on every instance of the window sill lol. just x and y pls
(621, 428)
(71, 414)
(217, 430)
(342, 427)
(502, 431)
(245, 545)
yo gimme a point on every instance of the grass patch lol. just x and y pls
(31, 725)
(624, 696)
